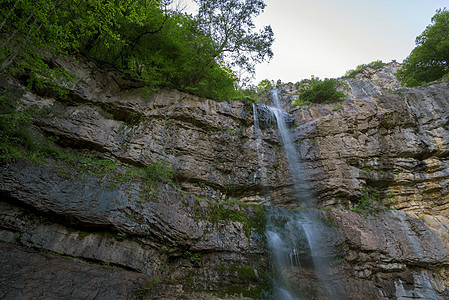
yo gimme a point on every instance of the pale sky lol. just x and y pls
(325, 38)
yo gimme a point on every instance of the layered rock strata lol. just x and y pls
(99, 236)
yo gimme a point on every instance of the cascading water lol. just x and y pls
(295, 237)
(296, 169)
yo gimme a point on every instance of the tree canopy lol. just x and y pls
(231, 28)
(429, 60)
(145, 38)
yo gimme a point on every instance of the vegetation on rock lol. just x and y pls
(316, 90)
(16, 137)
(429, 60)
(373, 199)
(144, 38)
(360, 68)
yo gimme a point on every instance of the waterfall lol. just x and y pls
(295, 237)
(295, 166)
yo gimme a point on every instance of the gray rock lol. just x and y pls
(59, 226)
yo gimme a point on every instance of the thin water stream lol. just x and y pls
(295, 237)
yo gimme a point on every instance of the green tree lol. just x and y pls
(27, 32)
(429, 60)
(265, 85)
(230, 26)
(159, 46)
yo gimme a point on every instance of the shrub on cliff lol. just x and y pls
(377, 64)
(429, 60)
(17, 140)
(13, 128)
(320, 91)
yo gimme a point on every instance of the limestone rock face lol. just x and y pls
(392, 256)
(189, 239)
(68, 231)
(397, 142)
(113, 225)
(27, 274)
(372, 82)
(210, 145)
(392, 140)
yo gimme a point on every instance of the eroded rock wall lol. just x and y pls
(394, 141)
(192, 239)
(397, 141)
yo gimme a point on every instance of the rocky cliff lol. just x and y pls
(103, 221)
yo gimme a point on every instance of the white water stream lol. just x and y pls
(294, 236)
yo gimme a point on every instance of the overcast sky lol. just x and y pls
(325, 38)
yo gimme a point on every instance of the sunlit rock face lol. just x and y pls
(394, 140)
(397, 141)
(371, 82)
(100, 238)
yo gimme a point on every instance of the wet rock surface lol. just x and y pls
(65, 233)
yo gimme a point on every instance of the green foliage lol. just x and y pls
(120, 236)
(246, 272)
(28, 31)
(230, 26)
(249, 95)
(144, 291)
(422, 217)
(366, 169)
(429, 60)
(17, 141)
(328, 220)
(13, 128)
(86, 164)
(250, 282)
(337, 261)
(320, 91)
(373, 199)
(162, 47)
(369, 199)
(360, 68)
(160, 171)
(192, 256)
(265, 85)
(110, 266)
(337, 107)
(16, 137)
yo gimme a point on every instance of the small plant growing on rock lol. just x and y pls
(337, 107)
(329, 221)
(373, 199)
(194, 257)
(422, 217)
(121, 236)
(366, 170)
(159, 170)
